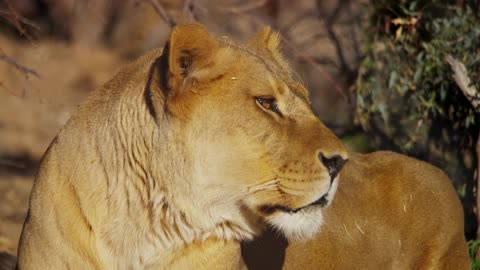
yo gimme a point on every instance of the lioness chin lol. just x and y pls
(192, 149)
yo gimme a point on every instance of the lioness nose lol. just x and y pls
(333, 164)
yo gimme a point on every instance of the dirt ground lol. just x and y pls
(69, 68)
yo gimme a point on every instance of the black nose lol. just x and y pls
(333, 164)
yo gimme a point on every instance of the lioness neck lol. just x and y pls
(118, 178)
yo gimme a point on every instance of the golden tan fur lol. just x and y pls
(187, 152)
(389, 212)
(177, 149)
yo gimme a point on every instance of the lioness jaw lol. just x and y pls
(192, 149)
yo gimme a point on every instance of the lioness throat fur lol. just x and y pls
(191, 150)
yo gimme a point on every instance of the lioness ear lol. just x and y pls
(266, 38)
(269, 41)
(187, 57)
(190, 48)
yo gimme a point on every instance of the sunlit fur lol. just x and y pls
(304, 224)
(175, 151)
(390, 211)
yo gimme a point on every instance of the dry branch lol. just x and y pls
(246, 7)
(5, 162)
(188, 7)
(7, 15)
(330, 20)
(15, 19)
(24, 69)
(460, 75)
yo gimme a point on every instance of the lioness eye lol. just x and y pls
(269, 104)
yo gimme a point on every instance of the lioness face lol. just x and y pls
(255, 144)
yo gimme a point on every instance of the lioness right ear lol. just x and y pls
(190, 48)
(266, 38)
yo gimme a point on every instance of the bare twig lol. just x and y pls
(293, 23)
(2, 86)
(326, 61)
(25, 70)
(356, 22)
(20, 67)
(9, 163)
(246, 7)
(330, 20)
(189, 9)
(7, 15)
(16, 20)
(460, 76)
(308, 41)
(160, 11)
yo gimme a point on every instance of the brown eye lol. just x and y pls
(269, 104)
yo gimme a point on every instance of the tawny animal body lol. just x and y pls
(189, 151)
(389, 212)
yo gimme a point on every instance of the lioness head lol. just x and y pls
(250, 143)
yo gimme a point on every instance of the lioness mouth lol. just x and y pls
(322, 202)
(269, 209)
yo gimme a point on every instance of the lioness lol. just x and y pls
(191, 150)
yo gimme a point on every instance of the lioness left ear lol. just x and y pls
(190, 48)
(266, 38)
(186, 58)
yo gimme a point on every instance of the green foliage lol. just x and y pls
(406, 96)
(472, 249)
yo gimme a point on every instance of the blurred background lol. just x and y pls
(377, 71)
